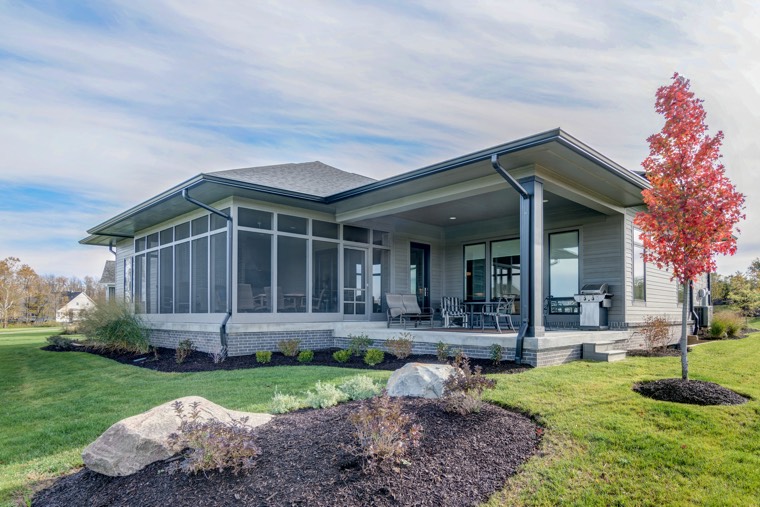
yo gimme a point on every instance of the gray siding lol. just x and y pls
(661, 292)
(124, 250)
(602, 260)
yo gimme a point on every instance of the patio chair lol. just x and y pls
(395, 309)
(498, 312)
(412, 310)
(453, 310)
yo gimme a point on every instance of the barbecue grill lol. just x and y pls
(594, 300)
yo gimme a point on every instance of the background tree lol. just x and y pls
(11, 289)
(692, 206)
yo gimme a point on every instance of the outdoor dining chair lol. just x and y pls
(501, 310)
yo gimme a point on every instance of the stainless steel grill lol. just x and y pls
(595, 300)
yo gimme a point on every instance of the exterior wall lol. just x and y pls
(602, 261)
(241, 344)
(661, 292)
(124, 251)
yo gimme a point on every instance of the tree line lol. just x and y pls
(740, 290)
(28, 297)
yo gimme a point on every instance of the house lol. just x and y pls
(108, 280)
(76, 303)
(246, 257)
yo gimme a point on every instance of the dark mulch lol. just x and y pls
(460, 461)
(658, 352)
(694, 392)
(200, 361)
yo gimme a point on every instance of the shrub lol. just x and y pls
(442, 351)
(289, 348)
(360, 387)
(400, 347)
(60, 342)
(284, 403)
(184, 349)
(383, 432)
(374, 356)
(463, 390)
(731, 321)
(305, 356)
(113, 326)
(717, 328)
(342, 356)
(263, 356)
(218, 354)
(359, 344)
(324, 395)
(655, 332)
(214, 445)
(497, 352)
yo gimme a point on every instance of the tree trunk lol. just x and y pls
(684, 341)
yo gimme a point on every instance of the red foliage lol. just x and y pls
(692, 205)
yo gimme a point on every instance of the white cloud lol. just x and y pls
(164, 90)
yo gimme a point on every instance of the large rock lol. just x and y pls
(419, 380)
(135, 442)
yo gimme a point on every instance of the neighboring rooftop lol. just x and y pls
(109, 273)
(314, 178)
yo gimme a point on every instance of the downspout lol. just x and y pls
(228, 218)
(524, 217)
(110, 247)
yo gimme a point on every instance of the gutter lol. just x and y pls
(524, 280)
(228, 218)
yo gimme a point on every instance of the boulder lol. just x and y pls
(419, 380)
(135, 442)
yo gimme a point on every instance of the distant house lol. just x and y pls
(108, 280)
(243, 258)
(76, 303)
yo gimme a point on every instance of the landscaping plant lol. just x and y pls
(213, 444)
(219, 354)
(112, 326)
(726, 322)
(360, 387)
(324, 395)
(383, 432)
(692, 206)
(655, 332)
(374, 356)
(305, 356)
(497, 352)
(290, 347)
(358, 345)
(284, 403)
(442, 351)
(263, 356)
(342, 356)
(400, 347)
(60, 342)
(463, 390)
(184, 349)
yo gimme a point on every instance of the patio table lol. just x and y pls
(471, 305)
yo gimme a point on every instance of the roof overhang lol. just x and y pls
(569, 168)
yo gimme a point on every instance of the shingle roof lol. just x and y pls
(314, 178)
(109, 273)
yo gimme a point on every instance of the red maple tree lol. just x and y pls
(692, 206)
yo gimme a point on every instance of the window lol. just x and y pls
(182, 276)
(475, 272)
(291, 224)
(505, 268)
(355, 234)
(381, 273)
(199, 275)
(167, 285)
(254, 272)
(563, 264)
(218, 272)
(324, 229)
(639, 267)
(291, 274)
(324, 265)
(679, 293)
(254, 218)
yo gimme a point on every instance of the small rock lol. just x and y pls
(135, 442)
(419, 380)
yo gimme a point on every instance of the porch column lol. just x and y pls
(532, 256)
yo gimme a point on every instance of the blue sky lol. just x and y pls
(103, 104)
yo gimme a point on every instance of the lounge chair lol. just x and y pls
(403, 308)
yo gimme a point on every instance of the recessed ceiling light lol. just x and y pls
(546, 200)
(452, 218)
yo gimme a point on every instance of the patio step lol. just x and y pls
(603, 351)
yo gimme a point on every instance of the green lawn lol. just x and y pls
(604, 444)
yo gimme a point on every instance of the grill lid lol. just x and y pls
(595, 288)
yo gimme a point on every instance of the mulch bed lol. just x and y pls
(200, 361)
(658, 352)
(461, 461)
(694, 392)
